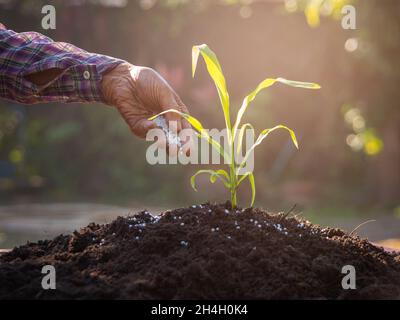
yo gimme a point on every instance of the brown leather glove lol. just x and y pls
(138, 93)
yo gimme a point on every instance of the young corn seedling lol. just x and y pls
(235, 132)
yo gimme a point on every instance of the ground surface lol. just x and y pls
(32, 222)
(201, 252)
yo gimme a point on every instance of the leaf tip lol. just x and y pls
(193, 182)
(193, 187)
(317, 86)
(296, 144)
(195, 57)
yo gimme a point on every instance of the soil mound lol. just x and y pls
(201, 252)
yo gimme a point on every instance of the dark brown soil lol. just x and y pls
(202, 252)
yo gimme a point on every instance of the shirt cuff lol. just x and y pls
(80, 82)
(86, 79)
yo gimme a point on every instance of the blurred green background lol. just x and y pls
(349, 133)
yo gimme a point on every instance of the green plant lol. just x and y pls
(235, 134)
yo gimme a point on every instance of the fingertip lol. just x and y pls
(141, 127)
(149, 124)
(173, 122)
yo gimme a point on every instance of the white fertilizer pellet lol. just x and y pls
(171, 137)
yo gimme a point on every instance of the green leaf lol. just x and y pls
(253, 188)
(214, 175)
(263, 85)
(266, 132)
(215, 71)
(196, 124)
(299, 84)
(220, 172)
(249, 98)
(263, 135)
(244, 176)
(240, 137)
(252, 185)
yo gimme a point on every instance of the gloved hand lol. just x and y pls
(140, 92)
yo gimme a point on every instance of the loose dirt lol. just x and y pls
(201, 252)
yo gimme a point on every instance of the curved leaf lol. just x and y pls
(263, 85)
(249, 98)
(299, 84)
(214, 175)
(220, 172)
(240, 137)
(253, 188)
(244, 176)
(263, 135)
(215, 71)
(252, 185)
(196, 124)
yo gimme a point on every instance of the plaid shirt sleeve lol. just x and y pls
(26, 53)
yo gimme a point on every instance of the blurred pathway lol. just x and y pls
(20, 223)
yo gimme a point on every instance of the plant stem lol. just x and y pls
(232, 173)
(233, 186)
